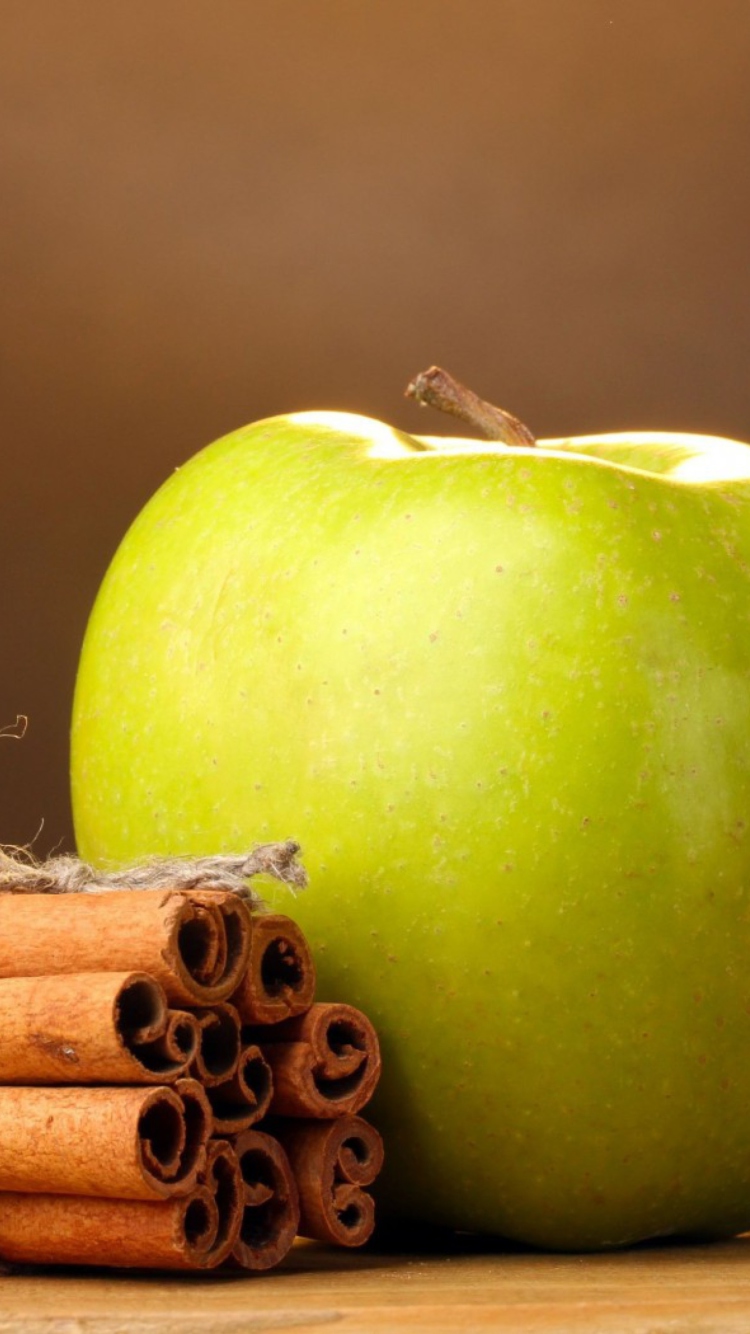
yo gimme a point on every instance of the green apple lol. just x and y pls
(502, 697)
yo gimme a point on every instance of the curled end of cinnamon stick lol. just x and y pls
(209, 946)
(236, 1078)
(161, 1135)
(332, 1162)
(243, 1099)
(173, 1129)
(163, 1041)
(279, 981)
(199, 1124)
(223, 1179)
(270, 1217)
(220, 1044)
(198, 1224)
(324, 1063)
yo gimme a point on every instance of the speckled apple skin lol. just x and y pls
(503, 700)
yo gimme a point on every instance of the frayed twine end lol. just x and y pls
(22, 873)
(16, 730)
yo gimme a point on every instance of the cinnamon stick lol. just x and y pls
(220, 1044)
(194, 943)
(128, 1143)
(279, 980)
(199, 1123)
(175, 1046)
(83, 1028)
(70, 1229)
(223, 1178)
(270, 1216)
(241, 1100)
(235, 1076)
(324, 1063)
(332, 1162)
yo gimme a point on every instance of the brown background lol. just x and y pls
(213, 211)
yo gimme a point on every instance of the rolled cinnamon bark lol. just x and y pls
(235, 1076)
(218, 1053)
(69, 1229)
(239, 1102)
(84, 1028)
(223, 1178)
(126, 1143)
(279, 979)
(270, 1216)
(179, 1040)
(332, 1161)
(199, 1123)
(324, 1063)
(195, 944)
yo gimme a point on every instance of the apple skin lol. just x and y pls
(502, 697)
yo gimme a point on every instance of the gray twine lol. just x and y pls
(22, 873)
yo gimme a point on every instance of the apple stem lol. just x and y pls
(435, 388)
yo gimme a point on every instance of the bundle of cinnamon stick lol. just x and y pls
(171, 1095)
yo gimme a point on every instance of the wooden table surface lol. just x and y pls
(652, 1290)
